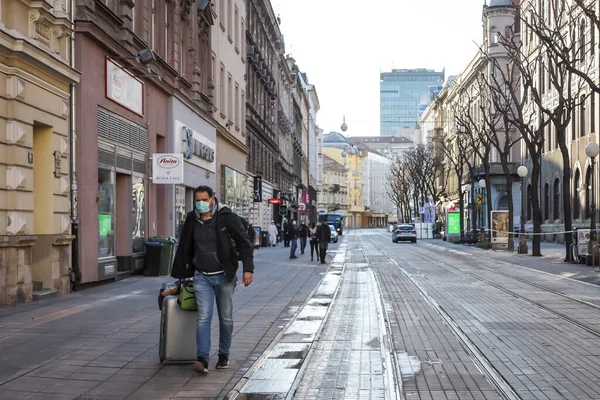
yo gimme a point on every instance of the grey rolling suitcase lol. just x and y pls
(177, 333)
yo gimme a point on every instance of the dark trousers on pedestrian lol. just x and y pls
(286, 240)
(314, 248)
(302, 244)
(323, 251)
(294, 246)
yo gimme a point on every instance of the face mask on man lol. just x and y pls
(203, 207)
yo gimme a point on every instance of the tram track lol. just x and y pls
(502, 386)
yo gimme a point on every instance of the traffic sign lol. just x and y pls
(480, 199)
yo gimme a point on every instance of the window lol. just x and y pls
(222, 13)
(588, 189)
(222, 91)
(582, 115)
(166, 37)
(139, 214)
(592, 40)
(576, 198)
(153, 24)
(133, 11)
(230, 98)
(229, 16)
(243, 40)
(546, 201)
(236, 35)
(243, 113)
(237, 106)
(529, 203)
(556, 211)
(581, 55)
(593, 112)
(106, 213)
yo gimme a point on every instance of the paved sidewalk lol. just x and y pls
(102, 343)
(552, 260)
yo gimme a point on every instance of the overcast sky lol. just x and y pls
(343, 45)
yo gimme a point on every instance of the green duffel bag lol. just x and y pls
(187, 297)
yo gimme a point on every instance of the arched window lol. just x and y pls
(502, 203)
(546, 201)
(529, 203)
(588, 191)
(556, 211)
(576, 198)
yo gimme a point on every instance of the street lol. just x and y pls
(429, 320)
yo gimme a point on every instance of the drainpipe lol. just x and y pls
(75, 271)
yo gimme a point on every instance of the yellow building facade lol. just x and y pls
(352, 159)
(35, 83)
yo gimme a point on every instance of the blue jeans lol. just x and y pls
(207, 289)
(294, 246)
(302, 244)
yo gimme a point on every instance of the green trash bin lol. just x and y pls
(153, 258)
(167, 254)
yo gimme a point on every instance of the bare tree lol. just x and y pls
(458, 154)
(513, 85)
(413, 178)
(468, 115)
(566, 71)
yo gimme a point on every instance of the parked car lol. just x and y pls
(404, 233)
(334, 234)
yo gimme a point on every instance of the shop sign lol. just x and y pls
(167, 168)
(123, 88)
(196, 148)
(275, 201)
(257, 189)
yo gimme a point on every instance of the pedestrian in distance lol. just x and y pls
(213, 240)
(314, 242)
(273, 234)
(303, 235)
(286, 228)
(292, 235)
(324, 236)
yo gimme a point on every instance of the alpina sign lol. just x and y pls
(167, 168)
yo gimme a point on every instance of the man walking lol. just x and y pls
(206, 251)
(292, 235)
(273, 234)
(303, 234)
(324, 236)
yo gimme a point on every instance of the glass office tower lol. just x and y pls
(401, 92)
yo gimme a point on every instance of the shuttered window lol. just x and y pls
(121, 143)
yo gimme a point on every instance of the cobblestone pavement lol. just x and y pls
(539, 333)
(102, 343)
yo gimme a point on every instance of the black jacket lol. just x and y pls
(324, 234)
(232, 238)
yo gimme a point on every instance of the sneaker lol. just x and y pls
(201, 366)
(223, 362)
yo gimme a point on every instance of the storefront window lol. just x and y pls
(180, 212)
(235, 193)
(106, 211)
(139, 214)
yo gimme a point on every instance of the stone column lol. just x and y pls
(15, 269)
(61, 262)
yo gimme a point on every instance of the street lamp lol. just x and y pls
(468, 188)
(592, 150)
(481, 213)
(522, 172)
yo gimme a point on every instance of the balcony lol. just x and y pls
(496, 169)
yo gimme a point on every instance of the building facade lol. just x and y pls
(264, 47)
(154, 95)
(228, 45)
(315, 152)
(35, 148)
(401, 92)
(334, 196)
